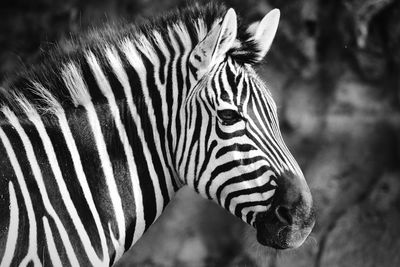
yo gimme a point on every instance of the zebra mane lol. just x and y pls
(44, 85)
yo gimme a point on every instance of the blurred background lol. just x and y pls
(334, 71)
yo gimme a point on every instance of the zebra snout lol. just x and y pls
(291, 217)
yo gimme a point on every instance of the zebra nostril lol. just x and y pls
(283, 215)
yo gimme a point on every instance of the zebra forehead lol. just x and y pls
(234, 82)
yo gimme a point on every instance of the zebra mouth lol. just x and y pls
(283, 238)
(269, 231)
(272, 233)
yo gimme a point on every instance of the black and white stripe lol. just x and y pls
(91, 156)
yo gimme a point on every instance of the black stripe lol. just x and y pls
(244, 148)
(50, 185)
(229, 166)
(8, 174)
(240, 207)
(61, 249)
(252, 175)
(245, 90)
(36, 197)
(74, 188)
(156, 101)
(265, 146)
(273, 129)
(228, 135)
(92, 167)
(180, 88)
(162, 58)
(206, 161)
(149, 204)
(169, 92)
(120, 166)
(231, 78)
(188, 123)
(195, 137)
(116, 87)
(247, 191)
(115, 150)
(208, 150)
(249, 216)
(91, 83)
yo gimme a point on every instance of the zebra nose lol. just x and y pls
(284, 215)
(292, 201)
(291, 217)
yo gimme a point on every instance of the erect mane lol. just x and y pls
(42, 85)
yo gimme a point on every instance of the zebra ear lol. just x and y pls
(264, 31)
(216, 43)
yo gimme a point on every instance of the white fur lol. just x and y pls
(51, 245)
(52, 104)
(76, 86)
(264, 32)
(12, 235)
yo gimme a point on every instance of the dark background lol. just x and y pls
(334, 72)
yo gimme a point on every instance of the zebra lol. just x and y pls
(96, 140)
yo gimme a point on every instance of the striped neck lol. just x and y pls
(142, 95)
(115, 146)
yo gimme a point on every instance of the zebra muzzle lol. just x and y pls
(278, 233)
(290, 218)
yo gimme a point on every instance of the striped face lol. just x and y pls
(239, 142)
(236, 155)
(240, 146)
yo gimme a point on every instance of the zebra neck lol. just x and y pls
(138, 113)
(139, 121)
(142, 179)
(158, 83)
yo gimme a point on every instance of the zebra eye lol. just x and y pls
(229, 116)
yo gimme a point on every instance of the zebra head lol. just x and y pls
(233, 152)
